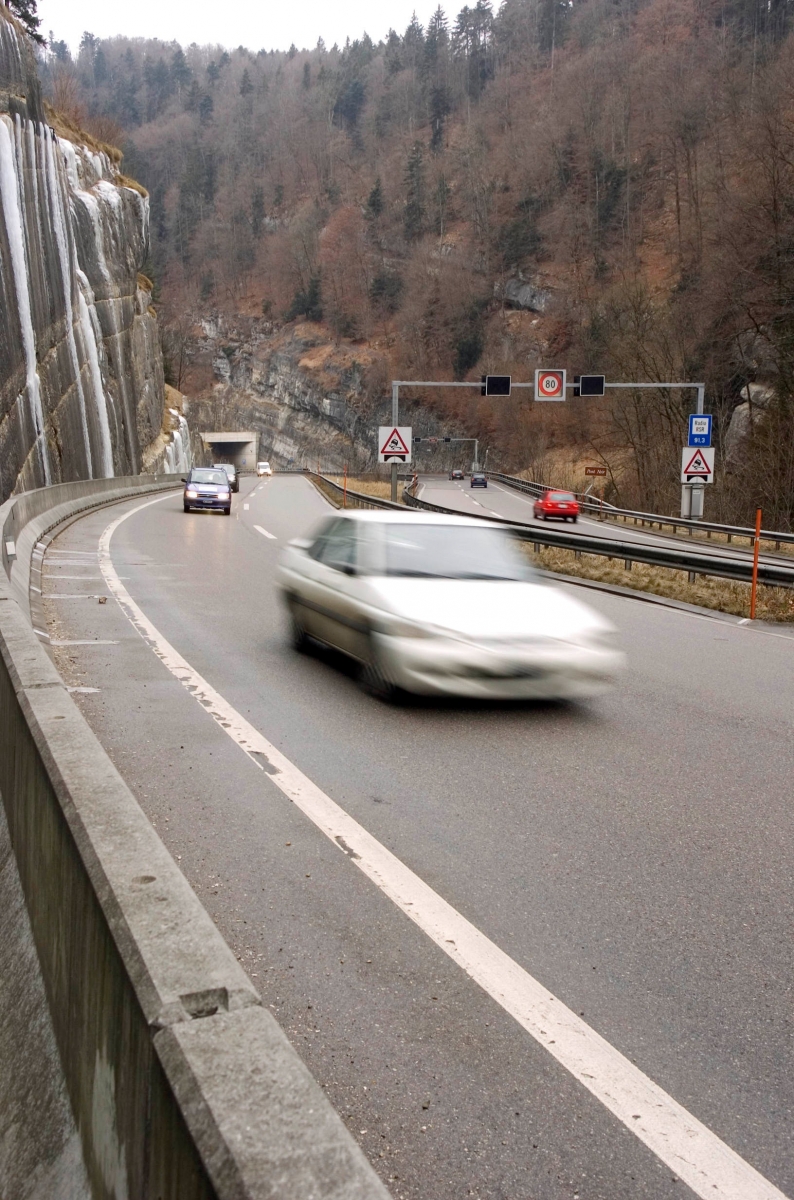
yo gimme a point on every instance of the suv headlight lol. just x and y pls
(223, 495)
(191, 495)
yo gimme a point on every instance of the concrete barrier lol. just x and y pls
(182, 1085)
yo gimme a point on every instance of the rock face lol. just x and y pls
(743, 418)
(81, 374)
(308, 400)
(518, 292)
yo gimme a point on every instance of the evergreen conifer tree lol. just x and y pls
(375, 202)
(25, 13)
(414, 215)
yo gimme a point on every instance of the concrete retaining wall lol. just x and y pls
(182, 1086)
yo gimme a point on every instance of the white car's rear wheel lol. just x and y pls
(298, 636)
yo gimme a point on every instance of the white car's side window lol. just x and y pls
(336, 546)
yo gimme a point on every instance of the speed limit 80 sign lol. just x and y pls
(549, 385)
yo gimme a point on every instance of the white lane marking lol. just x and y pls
(82, 690)
(35, 589)
(259, 529)
(246, 506)
(71, 595)
(697, 1156)
(81, 578)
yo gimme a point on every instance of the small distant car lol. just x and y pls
(208, 487)
(456, 475)
(561, 505)
(478, 479)
(264, 468)
(231, 474)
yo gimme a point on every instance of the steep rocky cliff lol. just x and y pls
(310, 399)
(81, 375)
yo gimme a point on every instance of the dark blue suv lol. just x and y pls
(206, 487)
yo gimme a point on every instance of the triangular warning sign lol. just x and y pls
(697, 465)
(394, 446)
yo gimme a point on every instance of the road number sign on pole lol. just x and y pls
(697, 466)
(595, 470)
(394, 443)
(699, 429)
(549, 385)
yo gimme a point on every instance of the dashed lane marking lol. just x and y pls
(259, 529)
(696, 1155)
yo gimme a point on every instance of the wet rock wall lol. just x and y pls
(81, 375)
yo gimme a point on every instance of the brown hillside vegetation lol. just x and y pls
(597, 185)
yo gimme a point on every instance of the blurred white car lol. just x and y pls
(264, 468)
(443, 605)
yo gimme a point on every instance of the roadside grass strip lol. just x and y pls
(725, 595)
(695, 1154)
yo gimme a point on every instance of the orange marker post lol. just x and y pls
(756, 547)
(344, 492)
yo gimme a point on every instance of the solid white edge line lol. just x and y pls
(693, 1152)
(259, 529)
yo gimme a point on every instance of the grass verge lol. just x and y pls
(725, 595)
(370, 487)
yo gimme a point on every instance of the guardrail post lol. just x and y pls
(756, 548)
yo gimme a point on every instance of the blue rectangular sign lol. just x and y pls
(700, 429)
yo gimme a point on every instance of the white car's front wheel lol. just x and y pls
(374, 679)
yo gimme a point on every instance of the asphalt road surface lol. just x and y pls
(633, 855)
(500, 500)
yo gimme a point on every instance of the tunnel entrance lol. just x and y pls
(237, 448)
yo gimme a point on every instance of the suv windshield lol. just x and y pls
(452, 552)
(208, 476)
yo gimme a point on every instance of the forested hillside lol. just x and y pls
(603, 186)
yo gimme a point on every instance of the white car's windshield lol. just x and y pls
(452, 552)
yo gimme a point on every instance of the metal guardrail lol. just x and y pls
(357, 499)
(630, 552)
(608, 511)
(539, 489)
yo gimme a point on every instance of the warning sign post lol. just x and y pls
(394, 443)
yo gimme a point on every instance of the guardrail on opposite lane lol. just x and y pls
(715, 565)
(606, 511)
(718, 566)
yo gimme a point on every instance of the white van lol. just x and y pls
(264, 468)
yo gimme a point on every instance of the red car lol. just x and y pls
(557, 504)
